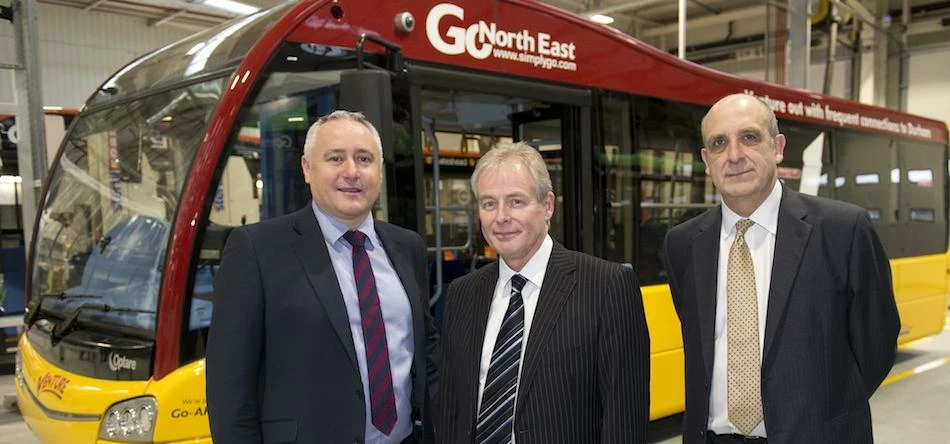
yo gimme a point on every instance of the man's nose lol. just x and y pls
(734, 151)
(349, 168)
(503, 213)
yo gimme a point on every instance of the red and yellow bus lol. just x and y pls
(206, 134)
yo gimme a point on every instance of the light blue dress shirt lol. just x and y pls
(397, 314)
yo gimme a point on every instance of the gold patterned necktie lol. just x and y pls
(744, 370)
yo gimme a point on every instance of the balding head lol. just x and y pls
(735, 102)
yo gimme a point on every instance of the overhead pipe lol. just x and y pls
(830, 60)
(682, 29)
(903, 52)
(904, 75)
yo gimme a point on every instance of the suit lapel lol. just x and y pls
(558, 286)
(706, 265)
(311, 251)
(791, 235)
(480, 305)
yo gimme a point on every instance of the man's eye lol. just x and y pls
(750, 137)
(488, 205)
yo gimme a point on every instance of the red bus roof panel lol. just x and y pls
(530, 39)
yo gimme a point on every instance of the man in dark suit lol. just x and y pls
(321, 330)
(788, 316)
(545, 345)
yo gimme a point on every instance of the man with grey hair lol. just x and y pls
(546, 345)
(321, 329)
(785, 301)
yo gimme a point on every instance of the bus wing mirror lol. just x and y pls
(369, 91)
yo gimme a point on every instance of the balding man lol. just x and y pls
(785, 300)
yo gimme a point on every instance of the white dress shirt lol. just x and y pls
(397, 315)
(533, 271)
(761, 241)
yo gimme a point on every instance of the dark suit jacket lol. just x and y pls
(281, 361)
(585, 377)
(831, 327)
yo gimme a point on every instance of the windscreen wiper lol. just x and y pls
(66, 325)
(64, 295)
(37, 307)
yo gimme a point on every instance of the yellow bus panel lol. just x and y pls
(61, 407)
(920, 289)
(667, 388)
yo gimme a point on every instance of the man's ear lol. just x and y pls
(305, 166)
(549, 205)
(779, 148)
(705, 155)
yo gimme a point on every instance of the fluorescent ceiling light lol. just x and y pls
(600, 18)
(232, 6)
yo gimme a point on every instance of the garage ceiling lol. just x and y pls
(710, 23)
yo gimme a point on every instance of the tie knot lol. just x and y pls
(355, 238)
(742, 226)
(517, 282)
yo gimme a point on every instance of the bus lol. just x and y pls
(12, 245)
(206, 134)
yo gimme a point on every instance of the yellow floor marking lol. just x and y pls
(916, 370)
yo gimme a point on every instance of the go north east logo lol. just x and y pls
(482, 40)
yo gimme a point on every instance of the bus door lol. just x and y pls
(543, 129)
(458, 117)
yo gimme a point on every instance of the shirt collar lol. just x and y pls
(534, 270)
(333, 230)
(766, 216)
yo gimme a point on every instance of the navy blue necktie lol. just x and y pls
(378, 374)
(496, 413)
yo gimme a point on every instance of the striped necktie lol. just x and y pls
(496, 414)
(744, 361)
(382, 398)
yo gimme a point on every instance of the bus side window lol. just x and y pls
(668, 176)
(235, 203)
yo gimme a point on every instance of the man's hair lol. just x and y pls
(770, 123)
(358, 117)
(507, 152)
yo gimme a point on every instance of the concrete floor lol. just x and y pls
(913, 406)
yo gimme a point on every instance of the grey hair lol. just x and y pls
(771, 122)
(506, 152)
(355, 116)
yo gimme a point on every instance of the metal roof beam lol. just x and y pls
(627, 6)
(755, 12)
(167, 18)
(93, 5)
(858, 9)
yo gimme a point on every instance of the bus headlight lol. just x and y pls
(130, 421)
